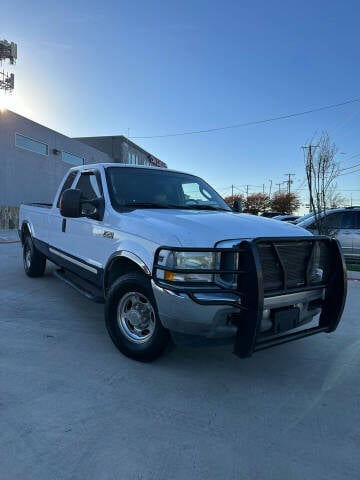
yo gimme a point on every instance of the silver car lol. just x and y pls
(343, 224)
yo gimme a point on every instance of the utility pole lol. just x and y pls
(247, 190)
(309, 169)
(270, 188)
(279, 185)
(232, 190)
(289, 181)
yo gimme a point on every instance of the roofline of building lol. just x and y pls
(78, 139)
(135, 145)
(7, 110)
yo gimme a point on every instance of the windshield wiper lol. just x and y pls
(149, 205)
(197, 206)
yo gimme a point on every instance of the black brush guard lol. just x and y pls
(270, 267)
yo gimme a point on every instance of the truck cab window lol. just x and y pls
(67, 184)
(90, 188)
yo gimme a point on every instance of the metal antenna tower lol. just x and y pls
(8, 51)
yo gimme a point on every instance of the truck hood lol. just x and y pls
(192, 228)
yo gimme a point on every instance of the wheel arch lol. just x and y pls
(26, 229)
(121, 263)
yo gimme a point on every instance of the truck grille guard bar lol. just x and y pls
(269, 266)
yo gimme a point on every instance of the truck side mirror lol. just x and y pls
(70, 203)
(237, 206)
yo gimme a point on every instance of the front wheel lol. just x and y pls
(34, 261)
(132, 319)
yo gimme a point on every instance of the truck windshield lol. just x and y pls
(152, 188)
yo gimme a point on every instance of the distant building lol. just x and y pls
(122, 150)
(34, 159)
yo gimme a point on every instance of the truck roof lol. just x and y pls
(124, 165)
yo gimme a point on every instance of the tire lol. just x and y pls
(132, 318)
(34, 261)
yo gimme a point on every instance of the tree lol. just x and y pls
(285, 202)
(256, 203)
(335, 199)
(321, 171)
(232, 198)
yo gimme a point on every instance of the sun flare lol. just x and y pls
(14, 103)
(7, 101)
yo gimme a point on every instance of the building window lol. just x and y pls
(30, 144)
(73, 159)
(133, 159)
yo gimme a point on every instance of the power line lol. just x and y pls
(349, 158)
(348, 168)
(350, 118)
(348, 173)
(255, 122)
(342, 189)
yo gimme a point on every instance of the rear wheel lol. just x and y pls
(132, 319)
(34, 261)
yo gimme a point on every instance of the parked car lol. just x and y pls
(270, 214)
(286, 218)
(304, 217)
(342, 224)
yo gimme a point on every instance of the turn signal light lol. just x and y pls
(170, 276)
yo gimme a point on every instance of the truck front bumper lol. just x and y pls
(254, 315)
(182, 314)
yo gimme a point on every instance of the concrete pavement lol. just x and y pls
(72, 407)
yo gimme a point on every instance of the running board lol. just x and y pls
(82, 286)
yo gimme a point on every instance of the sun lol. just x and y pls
(8, 101)
(12, 102)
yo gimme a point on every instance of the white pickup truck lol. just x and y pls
(173, 262)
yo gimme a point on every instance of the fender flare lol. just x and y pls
(128, 255)
(26, 224)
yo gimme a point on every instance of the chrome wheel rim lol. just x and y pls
(136, 317)
(27, 257)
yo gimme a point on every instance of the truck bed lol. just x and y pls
(36, 204)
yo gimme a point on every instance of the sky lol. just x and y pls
(150, 68)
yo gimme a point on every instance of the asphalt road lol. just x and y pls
(72, 407)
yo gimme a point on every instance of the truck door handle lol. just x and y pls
(63, 225)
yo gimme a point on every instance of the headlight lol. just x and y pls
(317, 272)
(178, 266)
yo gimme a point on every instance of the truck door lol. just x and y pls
(56, 237)
(87, 241)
